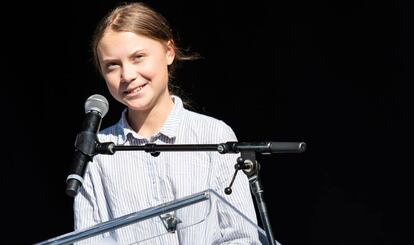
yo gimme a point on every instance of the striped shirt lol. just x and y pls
(130, 181)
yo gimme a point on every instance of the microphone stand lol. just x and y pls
(250, 166)
(246, 162)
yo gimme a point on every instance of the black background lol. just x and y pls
(334, 74)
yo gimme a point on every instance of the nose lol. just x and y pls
(129, 73)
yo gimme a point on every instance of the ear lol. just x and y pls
(170, 54)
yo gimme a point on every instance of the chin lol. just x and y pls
(138, 106)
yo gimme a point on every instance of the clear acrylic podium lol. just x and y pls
(192, 219)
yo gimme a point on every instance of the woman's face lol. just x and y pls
(135, 68)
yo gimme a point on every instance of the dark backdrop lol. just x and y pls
(334, 74)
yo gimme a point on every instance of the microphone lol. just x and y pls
(96, 107)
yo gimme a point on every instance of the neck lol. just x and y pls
(149, 122)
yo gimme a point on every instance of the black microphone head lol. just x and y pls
(97, 103)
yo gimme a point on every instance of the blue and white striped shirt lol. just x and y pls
(130, 181)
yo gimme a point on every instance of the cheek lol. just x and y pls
(111, 82)
(149, 70)
(156, 68)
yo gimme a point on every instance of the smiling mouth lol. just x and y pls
(135, 90)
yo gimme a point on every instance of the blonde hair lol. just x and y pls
(141, 20)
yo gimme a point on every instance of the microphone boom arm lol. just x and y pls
(109, 148)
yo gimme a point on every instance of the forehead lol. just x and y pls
(124, 43)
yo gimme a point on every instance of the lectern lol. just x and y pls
(191, 218)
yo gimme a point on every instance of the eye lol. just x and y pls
(139, 57)
(111, 66)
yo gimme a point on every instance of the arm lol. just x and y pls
(85, 207)
(233, 228)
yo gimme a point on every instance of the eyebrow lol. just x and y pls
(105, 61)
(136, 52)
(129, 56)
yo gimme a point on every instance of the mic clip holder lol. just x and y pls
(82, 143)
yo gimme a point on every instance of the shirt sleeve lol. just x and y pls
(85, 207)
(234, 229)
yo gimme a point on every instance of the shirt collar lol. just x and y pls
(169, 128)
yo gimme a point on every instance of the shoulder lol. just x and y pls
(201, 120)
(207, 127)
(110, 133)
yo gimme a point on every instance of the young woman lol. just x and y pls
(135, 52)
